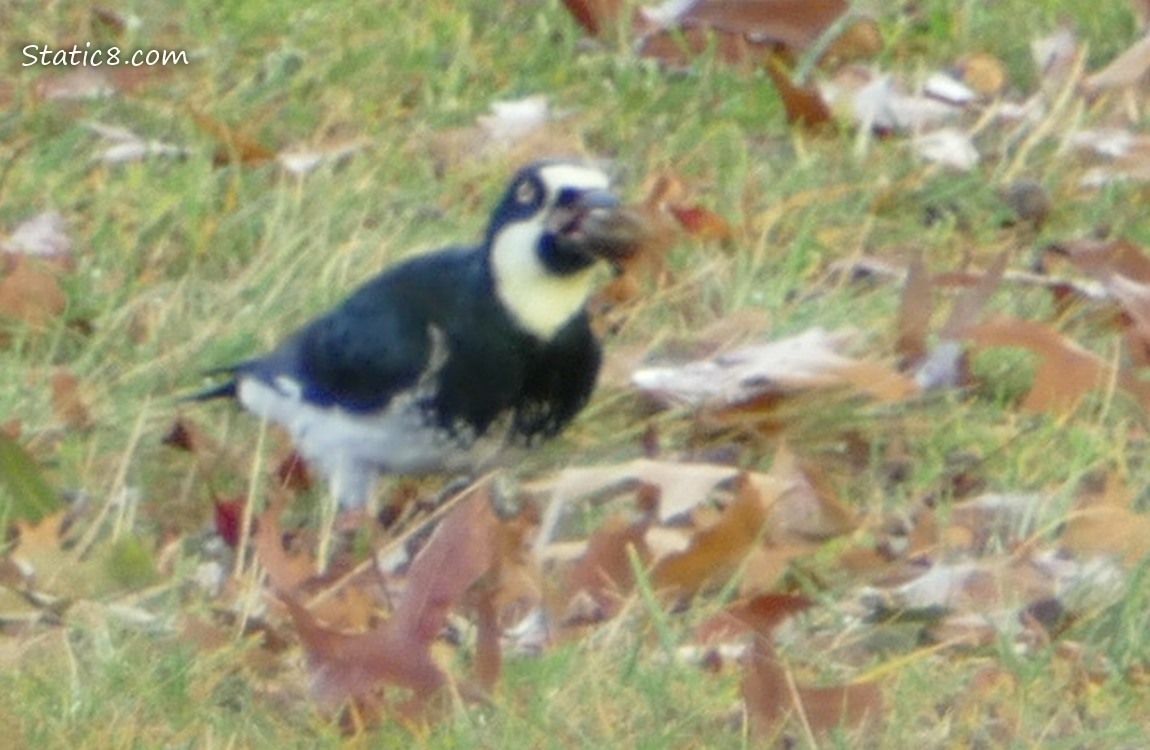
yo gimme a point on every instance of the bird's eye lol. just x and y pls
(526, 193)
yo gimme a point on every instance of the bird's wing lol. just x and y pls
(378, 342)
(361, 354)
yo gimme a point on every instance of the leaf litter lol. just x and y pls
(1020, 566)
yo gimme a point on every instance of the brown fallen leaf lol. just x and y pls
(1123, 71)
(914, 313)
(715, 552)
(1102, 258)
(701, 222)
(98, 82)
(1066, 371)
(1057, 58)
(751, 32)
(68, 403)
(1134, 300)
(1108, 524)
(756, 615)
(678, 46)
(516, 580)
(302, 160)
(771, 695)
(233, 145)
(488, 651)
(810, 360)
(292, 472)
(808, 509)
(770, 699)
(983, 72)
(512, 130)
(969, 306)
(228, 515)
(945, 364)
(186, 435)
(804, 106)
(352, 667)
(287, 572)
(594, 586)
(30, 291)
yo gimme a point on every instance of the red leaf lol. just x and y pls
(766, 612)
(701, 222)
(595, 15)
(229, 515)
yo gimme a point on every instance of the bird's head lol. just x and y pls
(555, 221)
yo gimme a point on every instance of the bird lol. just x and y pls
(453, 359)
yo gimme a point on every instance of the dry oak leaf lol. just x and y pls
(1103, 258)
(715, 552)
(771, 695)
(233, 145)
(808, 509)
(804, 105)
(681, 487)
(1126, 70)
(809, 360)
(1066, 371)
(594, 586)
(352, 667)
(751, 31)
(1108, 526)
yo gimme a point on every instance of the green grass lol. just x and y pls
(183, 265)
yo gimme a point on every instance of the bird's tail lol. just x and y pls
(227, 389)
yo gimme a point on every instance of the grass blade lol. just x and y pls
(27, 496)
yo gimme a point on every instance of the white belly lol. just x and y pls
(352, 449)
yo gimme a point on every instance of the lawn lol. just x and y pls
(192, 214)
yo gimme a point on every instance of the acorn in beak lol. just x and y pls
(593, 222)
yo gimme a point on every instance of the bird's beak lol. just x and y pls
(596, 224)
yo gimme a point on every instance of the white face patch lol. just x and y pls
(539, 300)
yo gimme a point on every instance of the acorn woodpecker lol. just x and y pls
(444, 362)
